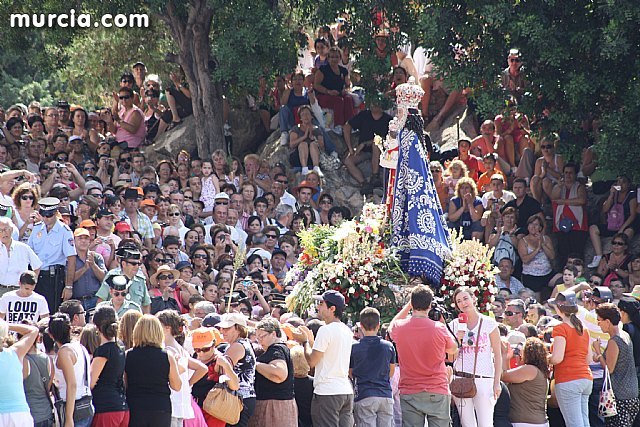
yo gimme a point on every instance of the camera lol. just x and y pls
(59, 165)
(438, 310)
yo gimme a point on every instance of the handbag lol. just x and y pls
(83, 407)
(607, 404)
(464, 387)
(223, 403)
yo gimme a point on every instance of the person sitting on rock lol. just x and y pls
(490, 165)
(512, 78)
(369, 123)
(513, 127)
(305, 143)
(331, 83)
(474, 165)
(438, 100)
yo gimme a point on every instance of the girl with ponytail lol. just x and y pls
(107, 372)
(571, 357)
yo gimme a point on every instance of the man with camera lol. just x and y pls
(424, 384)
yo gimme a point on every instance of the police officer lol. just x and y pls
(118, 295)
(52, 240)
(130, 259)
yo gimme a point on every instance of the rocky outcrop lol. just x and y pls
(447, 136)
(246, 128)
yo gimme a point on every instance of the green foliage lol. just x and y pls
(581, 57)
(252, 44)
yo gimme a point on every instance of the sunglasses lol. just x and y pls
(271, 236)
(26, 197)
(617, 243)
(174, 214)
(203, 349)
(470, 338)
(595, 282)
(124, 97)
(126, 81)
(125, 159)
(511, 313)
(165, 277)
(547, 147)
(99, 196)
(435, 171)
(515, 60)
(199, 256)
(89, 168)
(222, 203)
(120, 294)
(133, 262)
(159, 260)
(282, 182)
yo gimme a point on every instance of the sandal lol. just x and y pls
(174, 124)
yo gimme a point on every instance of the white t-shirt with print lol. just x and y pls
(332, 372)
(16, 308)
(485, 364)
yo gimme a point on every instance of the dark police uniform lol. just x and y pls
(52, 247)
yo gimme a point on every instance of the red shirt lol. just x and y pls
(421, 345)
(474, 165)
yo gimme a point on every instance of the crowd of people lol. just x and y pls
(130, 291)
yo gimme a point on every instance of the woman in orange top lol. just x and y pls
(571, 356)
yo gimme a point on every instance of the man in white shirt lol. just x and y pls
(15, 258)
(330, 354)
(24, 303)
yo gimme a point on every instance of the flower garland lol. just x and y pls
(470, 265)
(351, 258)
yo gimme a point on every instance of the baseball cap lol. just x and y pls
(221, 196)
(205, 337)
(148, 202)
(102, 212)
(278, 252)
(332, 297)
(211, 320)
(87, 223)
(182, 265)
(81, 232)
(122, 226)
(230, 319)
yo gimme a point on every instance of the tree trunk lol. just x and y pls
(191, 33)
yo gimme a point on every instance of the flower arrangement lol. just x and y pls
(470, 265)
(351, 258)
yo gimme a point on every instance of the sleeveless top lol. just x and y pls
(133, 140)
(246, 370)
(538, 266)
(333, 81)
(181, 400)
(577, 214)
(35, 387)
(296, 101)
(147, 370)
(79, 368)
(623, 379)
(12, 397)
(529, 400)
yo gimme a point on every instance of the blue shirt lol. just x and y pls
(52, 247)
(370, 360)
(12, 397)
(88, 284)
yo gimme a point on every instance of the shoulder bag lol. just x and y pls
(223, 403)
(465, 387)
(607, 404)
